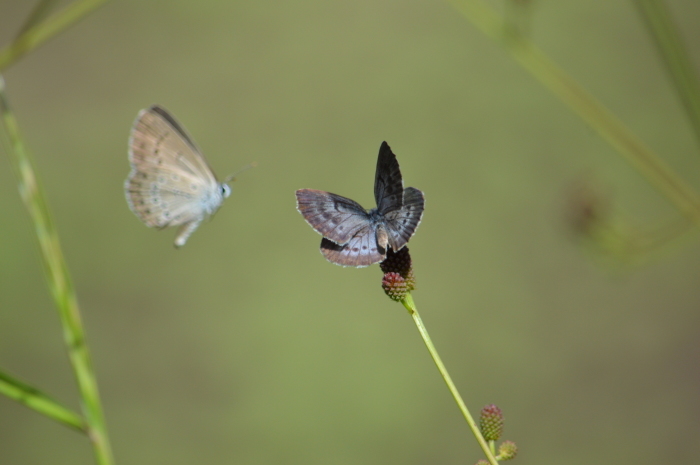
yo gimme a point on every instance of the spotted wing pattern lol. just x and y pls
(360, 251)
(401, 224)
(351, 235)
(170, 182)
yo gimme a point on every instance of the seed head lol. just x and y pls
(491, 422)
(400, 262)
(507, 450)
(394, 286)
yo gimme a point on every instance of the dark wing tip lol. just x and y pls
(385, 149)
(167, 116)
(156, 108)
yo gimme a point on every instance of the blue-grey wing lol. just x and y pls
(361, 250)
(388, 184)
(335, 217)
(401, 224)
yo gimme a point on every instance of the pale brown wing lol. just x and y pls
(157, 139)
(170, 182)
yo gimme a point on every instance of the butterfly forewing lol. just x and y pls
(334, 217)
(157, 139)
(388, 184)
(167, 117)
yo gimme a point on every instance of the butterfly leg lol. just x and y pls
(185, 232)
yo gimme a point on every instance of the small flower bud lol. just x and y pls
(491, 422)
(482, 462)
(394, 286)
(400, 262)
(507, 450)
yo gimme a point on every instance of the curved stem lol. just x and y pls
(632, 149)
(39, 33)
(411, 307)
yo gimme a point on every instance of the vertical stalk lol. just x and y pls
(59, 282)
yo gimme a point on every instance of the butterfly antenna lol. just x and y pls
(232, 177)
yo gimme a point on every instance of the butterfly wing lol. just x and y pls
(160, 122)
(402, 208)
(401, 224)
(336, 218)
(359, 251)
(355, 237)
(388, 184)
(170, 182)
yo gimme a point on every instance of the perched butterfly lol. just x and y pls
(170, 184)
(353, 236)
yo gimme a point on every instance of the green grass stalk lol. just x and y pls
(42, 31)
(413, 311)
(680, 67)
(37, 400)
(632, 149)
(59, 282)
(39, 13)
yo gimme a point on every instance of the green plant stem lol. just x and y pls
(59, 282)
(44, 30)
(680, 67)
(40, 11)
(640, 156)
(37, 400)
(411, 307)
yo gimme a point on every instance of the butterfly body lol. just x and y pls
(170, 183)
(354, 236)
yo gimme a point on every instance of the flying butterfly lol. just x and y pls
(170, 183)
(353, 236)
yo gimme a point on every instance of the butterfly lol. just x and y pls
(170, 183)
(353, 236)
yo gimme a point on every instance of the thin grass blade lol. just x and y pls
(36, 400)
(44, 30)
(59, 281)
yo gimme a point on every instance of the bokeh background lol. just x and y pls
(246, 346)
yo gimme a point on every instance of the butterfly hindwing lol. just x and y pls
(335, 217)
(155, 203)
(360, 251)
(402, 224)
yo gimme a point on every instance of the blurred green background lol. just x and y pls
(246, 346)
